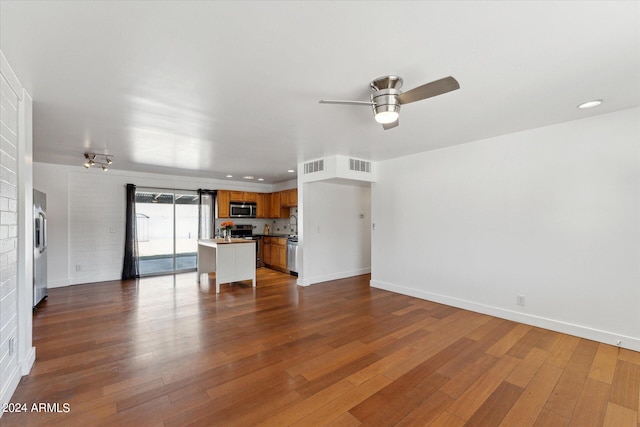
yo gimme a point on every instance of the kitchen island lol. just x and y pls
(232, 261)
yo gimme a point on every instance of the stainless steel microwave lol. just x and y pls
(242, 210)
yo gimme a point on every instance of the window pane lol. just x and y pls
(186, 230)
(154, 221)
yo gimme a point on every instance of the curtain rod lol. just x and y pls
(172, 189)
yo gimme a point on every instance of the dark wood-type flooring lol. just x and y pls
(167, 351)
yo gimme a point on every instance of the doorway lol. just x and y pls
(167, 230)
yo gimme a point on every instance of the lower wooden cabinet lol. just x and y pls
(274, 253)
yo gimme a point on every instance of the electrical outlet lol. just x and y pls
(78, 267)
(12, 345)
(521, 300)
(618, 342)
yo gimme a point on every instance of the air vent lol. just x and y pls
(359, 165)
(314, 166)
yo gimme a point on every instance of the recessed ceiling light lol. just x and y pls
(248, 177)
(591, 104)
(260, 179)
(291, 171)
(229, 176)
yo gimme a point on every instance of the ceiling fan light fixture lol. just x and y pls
(386, 97)
(386, 114)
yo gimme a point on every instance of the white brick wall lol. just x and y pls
(8, 234)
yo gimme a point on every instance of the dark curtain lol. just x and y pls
(206, 209)
(131, 264)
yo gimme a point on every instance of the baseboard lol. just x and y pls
(606, 337)
(27, 364)
(58, 283)
(306, 281)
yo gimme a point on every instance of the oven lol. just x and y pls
(245, 231)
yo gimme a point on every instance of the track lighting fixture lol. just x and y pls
(93, 159)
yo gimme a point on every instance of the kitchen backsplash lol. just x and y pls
(276, 226)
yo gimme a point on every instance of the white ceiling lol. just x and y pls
(212, 88)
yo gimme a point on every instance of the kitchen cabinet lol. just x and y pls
(290, 198)
(232, 261)
(250, 197)
(268, 205)
(275, 207)
(223, 199)
(262, 205)
(242, 196)
(275, 253)
(266, 250)
(236, 196)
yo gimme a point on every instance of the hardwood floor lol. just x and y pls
(167, 351)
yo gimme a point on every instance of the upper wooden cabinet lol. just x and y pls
(268, 205)
(242, 196)
(290, 198)
(250, 197)
(223, 198)
(236, 196)
(276, 209)
(262, 205)
(274, 205)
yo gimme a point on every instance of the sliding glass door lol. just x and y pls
(167, 230)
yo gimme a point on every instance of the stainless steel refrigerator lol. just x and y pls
(39, 246)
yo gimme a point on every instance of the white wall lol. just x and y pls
(551, 214)
(16, 249)
(336, 242)
(86, 212)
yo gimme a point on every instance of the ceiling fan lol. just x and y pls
(387, 97)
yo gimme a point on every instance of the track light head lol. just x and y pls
(98, 159)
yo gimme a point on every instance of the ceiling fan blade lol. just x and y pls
(331, 101)
(428, 90)
(387, 126)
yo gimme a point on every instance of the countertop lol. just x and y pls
(214, 242)
(284, 236)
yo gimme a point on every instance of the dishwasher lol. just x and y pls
(292, 255)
